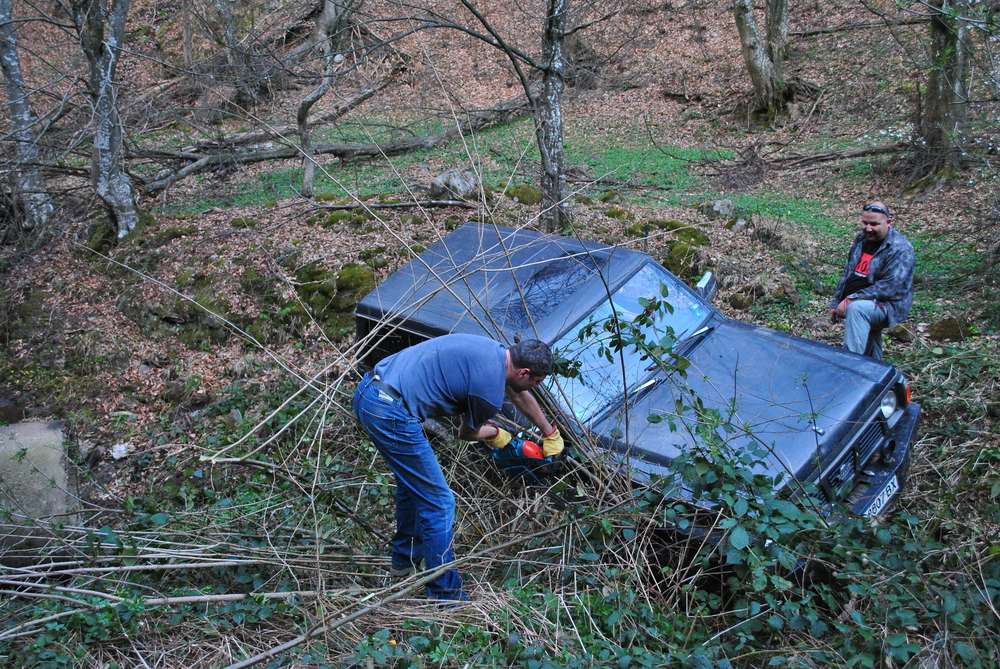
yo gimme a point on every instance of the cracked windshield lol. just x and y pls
(601, 382)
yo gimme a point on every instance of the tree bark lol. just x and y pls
(27, 191)
(776, 33)
(549, 119)
(764, 68)
(102, 32)
(187, 39)
(944, 103)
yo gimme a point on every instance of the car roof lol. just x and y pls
(501, 282)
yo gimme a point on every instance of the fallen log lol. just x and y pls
(801, 161)
(282, 133)
(398, 205)
(508, 110)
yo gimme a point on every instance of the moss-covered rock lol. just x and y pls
(901, 332)
(682, 260)
(742, 300)
(583, 199)
(949, 329)
(412, 251)
(98, 240)
(164, 237)
(739, 222)
(146, 220)
(206, 320)
(611, 197)
(619, 214)
(525, 194)
(258, 285)
(412, 220)
(453, 222)
(368, 254)
(32, 316)
(326, 197)
(682, 232)
(244, 222)
(335, 218)
(373, 257)
(357, 279)
(326, 297)
(288, 257)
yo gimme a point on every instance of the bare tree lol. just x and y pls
(332, 26)
(547, 104)
(764, 55)
(28, 194)
(549, 118)
(102, 31)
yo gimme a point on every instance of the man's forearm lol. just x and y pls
(526, 403)
(466, 433)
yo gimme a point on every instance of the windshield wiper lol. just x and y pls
(680, 343)
(699, 334)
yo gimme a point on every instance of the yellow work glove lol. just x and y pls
(552, 443)
(500, 440)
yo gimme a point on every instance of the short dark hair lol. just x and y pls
(533, 355)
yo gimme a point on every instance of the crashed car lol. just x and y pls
(842, 421)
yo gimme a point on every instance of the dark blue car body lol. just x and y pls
(823, 414)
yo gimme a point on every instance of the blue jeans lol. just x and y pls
(863, 327)
(425, 505)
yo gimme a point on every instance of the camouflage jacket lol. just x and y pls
(890, 276)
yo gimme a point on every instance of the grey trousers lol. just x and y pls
(863, 328)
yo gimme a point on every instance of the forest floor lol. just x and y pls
(201, 326)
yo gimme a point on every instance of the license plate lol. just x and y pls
(890, 489)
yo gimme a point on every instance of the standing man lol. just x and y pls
(876, 289)
(454, 375)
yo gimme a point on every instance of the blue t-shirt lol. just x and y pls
(457, 374)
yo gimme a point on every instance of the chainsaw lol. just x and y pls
(522, 457)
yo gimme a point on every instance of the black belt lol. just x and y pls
(385, 388)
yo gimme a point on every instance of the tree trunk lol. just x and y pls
(549, 121)
(187, 40)
(239, 62)
(101, 35)
(28, 194)
(768, 85)
(776, 33)
(331, 26)
(944, 102)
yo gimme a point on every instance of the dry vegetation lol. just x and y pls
(252, 513)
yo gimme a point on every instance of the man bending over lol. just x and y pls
(454, 375)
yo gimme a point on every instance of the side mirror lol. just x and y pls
(706, 287)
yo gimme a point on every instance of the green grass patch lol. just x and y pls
(666, 169)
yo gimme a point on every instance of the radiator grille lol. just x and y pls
(866, 443)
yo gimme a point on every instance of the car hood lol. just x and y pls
(501, 283)
(759, 377)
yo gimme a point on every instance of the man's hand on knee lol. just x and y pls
(840, 312)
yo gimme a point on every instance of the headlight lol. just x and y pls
(888, 404)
